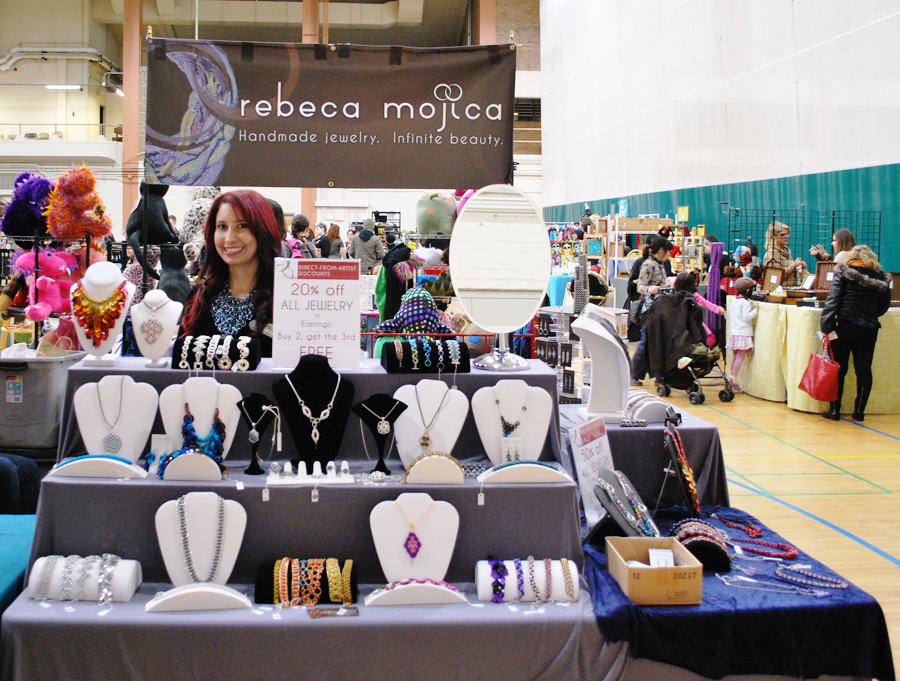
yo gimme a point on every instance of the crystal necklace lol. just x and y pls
(254, 433)
(384, 427)
(151, 327)
(186, 553)
(112, 443)
(308, 414)
(508, 427)
(412, 543)
(425, 440)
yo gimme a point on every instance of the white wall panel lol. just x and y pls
(650, 96)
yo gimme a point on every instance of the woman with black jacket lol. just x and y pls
(860, 293)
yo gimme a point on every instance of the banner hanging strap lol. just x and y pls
(396, 55)
(320, 51)
(247, 53)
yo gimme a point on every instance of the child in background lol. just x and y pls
(743, 312)
(685, 282)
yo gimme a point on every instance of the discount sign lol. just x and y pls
(316, 312)
(590, 453)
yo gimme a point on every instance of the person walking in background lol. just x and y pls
(338, 249)
(651, 280)
(367, 247)
(841, 243)
(860, 293)
(742, 313)
(301, 246)
(323, 243)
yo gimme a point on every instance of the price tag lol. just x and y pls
(265, 494)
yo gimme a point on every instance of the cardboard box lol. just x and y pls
(680, 585)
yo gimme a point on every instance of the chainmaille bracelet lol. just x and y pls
(225, 360)
(548, 564)
(277, 582)
(315, 567)
(335, 586)
(65, 584)
(345, 579)
(532, 581)
(570, 587)
(295, 582)
(520, 581)
(86, 564)
(283, 593)
(430, 454)
(185, 348)
(199, 350)
(242, 346)
(211, 351)
(43, 588)
(440, 349)
(426, 352)
(453, 347)
(414, 352)
(414, 580)
(110, 561)
(498, 575)
(398, 351)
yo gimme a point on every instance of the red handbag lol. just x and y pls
(820, 380)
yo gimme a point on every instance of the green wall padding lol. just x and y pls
(861, 189)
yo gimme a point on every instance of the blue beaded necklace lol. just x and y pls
(213, 445)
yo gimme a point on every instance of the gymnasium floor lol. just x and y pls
(829, 487)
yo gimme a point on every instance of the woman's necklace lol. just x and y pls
(366, 448)
(384, 427)
(640, 509)
(738, 524)
(791, 573)
(97, 317)
(686, 471)
(186, 553)
(425, 440)
(308, 414)
(254, 434)
(412, 543)
(508, 427)
(112, 443)
(787, 551)
(628, 515)
(152, 327)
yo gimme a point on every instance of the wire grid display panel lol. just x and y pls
(808, 228)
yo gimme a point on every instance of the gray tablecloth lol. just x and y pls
(486, 642)
(369, 379)
(89, 515)
(641, 455)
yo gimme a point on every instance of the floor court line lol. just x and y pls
(785, 442)
(874, 430)
(826, 523)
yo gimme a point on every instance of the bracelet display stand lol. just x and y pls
(484, 582)
(101, 281)
(444, 411)
(264, 593)
(155, 323)
(644, 405)
(524, 472)
(428, 361)
(609, 504)
(316, 383)
(414, 537)
(204, 395)
(289, 476)
(610, 366)
(434, 469)
(234, 355)
(379, 412)
(126, 578)
(111, 446)
(512, 403)
(211, 542)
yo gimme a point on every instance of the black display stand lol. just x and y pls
(386, 407)
(612, 511)
(393, 365)
(265, 585)
(233, 354)
(314, 380)
(671, 421)
(252, 410)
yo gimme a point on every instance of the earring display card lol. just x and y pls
(552, 353)
(540, 349)
(565, 354)
(511, 449)
(569, 381)
(543, 325)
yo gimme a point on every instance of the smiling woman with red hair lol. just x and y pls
(235, 292)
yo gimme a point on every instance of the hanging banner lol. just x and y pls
(303, 115)
(316, 312)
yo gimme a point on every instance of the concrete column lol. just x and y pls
(132, 48)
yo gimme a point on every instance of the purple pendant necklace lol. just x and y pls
(412, 543)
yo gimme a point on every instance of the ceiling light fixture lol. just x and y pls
(119, 92)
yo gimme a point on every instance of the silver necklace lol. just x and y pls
(366, 448)
(151, 327)
(186, 554)
(640, 509)
(112, 443)
(308, 414)
(384, 427)
(425, 440)
(254, 433)
(629, 517)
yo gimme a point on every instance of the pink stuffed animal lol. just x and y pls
(52, 294)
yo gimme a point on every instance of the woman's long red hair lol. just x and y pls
(252, 208)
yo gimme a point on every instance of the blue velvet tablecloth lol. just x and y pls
(738, 631)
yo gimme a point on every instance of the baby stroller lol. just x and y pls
(676, 351)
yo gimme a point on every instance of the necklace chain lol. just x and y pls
(186, 553)
(425, 440)
(308, 414)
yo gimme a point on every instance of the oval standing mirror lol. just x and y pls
(500, 266)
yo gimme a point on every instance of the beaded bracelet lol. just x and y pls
(345, 579)
(211, 351)
(185, 348)
(522, 463)
(414, 351)
(225, 360)
(335, 585)
(738, 524)
(498, 574)
(427, 455)
(426, 352)
(453, 347)
(789, 573)
(414, 580)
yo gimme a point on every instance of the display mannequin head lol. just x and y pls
(242, 240)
